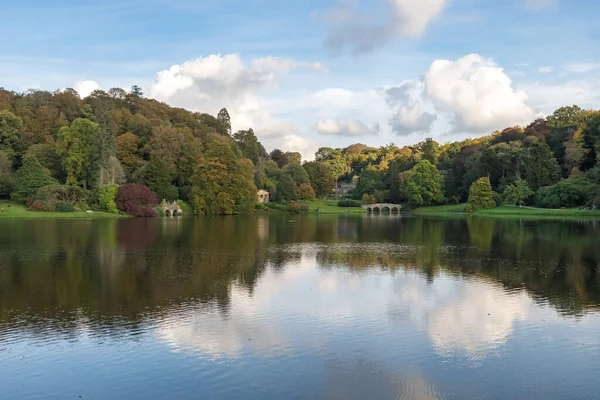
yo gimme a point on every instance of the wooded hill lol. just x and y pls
(80, 150)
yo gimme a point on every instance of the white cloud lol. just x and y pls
(413, 17)
(582, 68)
(207, 84)
(360, 31)
(409, 118)
(84, 88)
(477, 94)
(351, 128)
(477, 327)
(546, 70)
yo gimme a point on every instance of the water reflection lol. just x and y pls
(397, 303)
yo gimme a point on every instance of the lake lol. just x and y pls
(299, 307)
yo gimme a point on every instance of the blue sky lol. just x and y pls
(311, 73)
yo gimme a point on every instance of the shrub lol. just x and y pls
(349, 204)
(185, 207)
(68, 194)
(39, 205)
(61, 206)
(29, 178)
(107, 195)
(481, 196)
(137, 200)
(567, 193)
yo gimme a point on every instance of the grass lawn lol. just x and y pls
(331, 207)
(19, 211)
(510, 212)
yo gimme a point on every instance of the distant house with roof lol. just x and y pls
(346, 187)
(262, 196)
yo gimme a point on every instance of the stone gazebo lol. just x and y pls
(262, 196)
(171, 209)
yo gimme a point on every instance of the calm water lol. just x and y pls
(271, 308)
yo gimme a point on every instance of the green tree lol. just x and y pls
(225, 120)
(47, 156)
(223, 184)
(107, 195)
(285, 188)
(320, 177)
(76, 145)
(29, 178)
(369, 181)
(6, 177)
(564, 117)
(10, 127)
(542, 169)
(128, 152)
(157, 177)
(297, 172)
(481, 196)
(517, 192)
(280, 158)
(424, 184)
(249, 145)
(430, 149)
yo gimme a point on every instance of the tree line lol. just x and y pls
(94, 151)
(553, 162)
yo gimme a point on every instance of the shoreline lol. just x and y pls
(506, 211)
(18, 211)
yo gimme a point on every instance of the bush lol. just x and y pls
(567, 193)
(349, 204)
(39, 205)
(61, 206)
(107, 195)
(68, 194)
(185, 207)
(137, 200)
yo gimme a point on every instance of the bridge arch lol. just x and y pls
(381, 207)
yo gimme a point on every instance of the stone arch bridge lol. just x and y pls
(381, 207)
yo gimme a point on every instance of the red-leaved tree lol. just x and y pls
(138, 200)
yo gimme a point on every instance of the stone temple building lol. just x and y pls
(262, 196)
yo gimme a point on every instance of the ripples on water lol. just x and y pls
(341, 308)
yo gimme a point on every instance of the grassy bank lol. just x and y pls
(19, 211)
(509, 212)
(331, 207)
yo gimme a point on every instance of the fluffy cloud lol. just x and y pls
(352, 128)
(473, 93)
(85, 88)
(409, 118)
(352, 29)
(477, 93)
(209, 83)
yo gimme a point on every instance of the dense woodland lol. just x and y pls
(118, 151)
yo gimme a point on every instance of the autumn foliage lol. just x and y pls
(137, 200)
